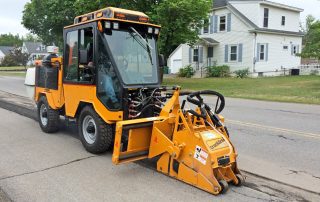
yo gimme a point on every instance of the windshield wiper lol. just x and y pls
(141, 37)
(148, 48)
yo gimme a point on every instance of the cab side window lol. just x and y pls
(79, 56)
(71, 57)
(86, 64)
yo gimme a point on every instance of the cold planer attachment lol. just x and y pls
(191, 145)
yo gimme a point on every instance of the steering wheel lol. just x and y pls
(196, 99)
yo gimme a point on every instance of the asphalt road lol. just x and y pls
(42, 167)
(13, 85)
(279, 141)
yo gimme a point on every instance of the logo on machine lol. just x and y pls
(219, 142)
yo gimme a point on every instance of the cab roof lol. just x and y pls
(111, 13)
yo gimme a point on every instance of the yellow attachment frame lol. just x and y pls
(188, 148)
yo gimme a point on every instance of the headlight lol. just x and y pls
(107, 25)
(115, 25)
(156, 31)
(150, 30)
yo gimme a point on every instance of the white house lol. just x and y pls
(36, 50)
(5, 50)
(257, 34)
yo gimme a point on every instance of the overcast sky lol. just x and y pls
(11, 13)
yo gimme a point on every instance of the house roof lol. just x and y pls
(219, 3)
(224, 3)
(275, 31)
(6, 49)
(210, 41)
(34, 47)
(237, 12)
(279, 5)
(175, 50)
(255, 27)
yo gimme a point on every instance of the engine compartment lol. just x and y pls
(144, 102)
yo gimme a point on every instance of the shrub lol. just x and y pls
(218, 71)
(242, 73)
(9, 61)
(314, 72)
(186, 72)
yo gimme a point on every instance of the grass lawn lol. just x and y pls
(21, 68)
(297, 89)
(20, 74)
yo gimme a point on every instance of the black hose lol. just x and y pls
(199, 100)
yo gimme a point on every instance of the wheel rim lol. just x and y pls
(89, 129)
(43, 116)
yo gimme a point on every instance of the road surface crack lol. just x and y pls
(297, 172)
(256, 188)
(46, 169)
(291, 112)
(253, 197)
(286, 138)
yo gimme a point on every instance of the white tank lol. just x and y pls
(30, 82)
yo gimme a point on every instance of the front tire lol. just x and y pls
(96, 135)
(224, 186)
(48, 118)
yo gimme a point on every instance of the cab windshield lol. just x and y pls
(134, 54)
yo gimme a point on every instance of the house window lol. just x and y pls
(233, 53)
(283, 20)
(266, 17)
(262, 52)
(295, 49)
(222, 23)
(206, 26)
(285, 47)
(195, 55)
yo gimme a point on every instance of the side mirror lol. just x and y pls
(162, 61)
(83, 57)
(162, 64)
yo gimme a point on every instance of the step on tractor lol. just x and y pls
(109, 81)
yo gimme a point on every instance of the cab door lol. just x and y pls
(78, 75)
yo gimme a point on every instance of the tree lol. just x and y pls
(312, 39)
(15, 57)
(10, 40)
(180, 19)
(20, 57)
(9, 61)
(46, 18)
(31, 37)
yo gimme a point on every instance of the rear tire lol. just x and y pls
(96, 135)
(48, 118)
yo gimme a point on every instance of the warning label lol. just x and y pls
(200, 155)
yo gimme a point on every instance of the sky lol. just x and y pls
(11, 13)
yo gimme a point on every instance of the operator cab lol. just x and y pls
(115, 50)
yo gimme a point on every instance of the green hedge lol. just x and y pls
(187, 71)
(242, 73)
(218, 71)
